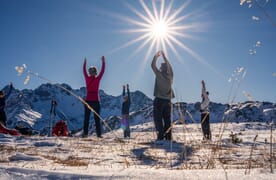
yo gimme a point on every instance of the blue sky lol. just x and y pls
(53, 36)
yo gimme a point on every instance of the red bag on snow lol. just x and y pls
(5, 130)
(60, 129)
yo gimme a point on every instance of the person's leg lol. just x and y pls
(167, 120)
(127, 128)
(204, 125)
(157, 117)
(208, 130)
(3, 118)
(125, 133)
(128, 133)
(97, 108)
(86, 120)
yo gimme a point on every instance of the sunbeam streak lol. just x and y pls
(159, 26)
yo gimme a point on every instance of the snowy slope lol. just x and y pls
(140, 157)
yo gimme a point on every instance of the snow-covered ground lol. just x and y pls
(246, 154)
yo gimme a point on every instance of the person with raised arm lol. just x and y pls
(163, 94)
(125, 111)
(92, 80)
(205, 113)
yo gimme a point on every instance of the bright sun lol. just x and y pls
(159, 27)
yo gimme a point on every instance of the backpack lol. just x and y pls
(60, 129)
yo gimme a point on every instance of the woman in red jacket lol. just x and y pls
(92, 81)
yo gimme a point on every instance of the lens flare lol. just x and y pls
(160, 26)
(160, 30)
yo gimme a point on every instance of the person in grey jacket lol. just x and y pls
(163, 94)
(205, 113)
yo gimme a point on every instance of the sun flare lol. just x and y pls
(160, 30)
(160, 26)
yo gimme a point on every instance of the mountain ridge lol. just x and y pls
(32, 107)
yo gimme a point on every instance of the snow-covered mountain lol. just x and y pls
(32, 107)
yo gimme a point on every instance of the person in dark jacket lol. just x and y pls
(125, 111)
(92, 96)
(3, 97)
(205, 113)
(163, 93)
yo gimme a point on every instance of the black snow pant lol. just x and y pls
(3, 118)
(127, 132)
(96, 106)
(162, 118)
(205, 125)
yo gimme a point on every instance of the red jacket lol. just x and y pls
(93, 83)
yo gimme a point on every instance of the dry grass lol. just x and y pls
(190, 153)
(69, 161)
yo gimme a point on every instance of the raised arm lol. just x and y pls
(170, 71)
(84, 68)
(124, 90)
(153, 63)
(103, 68)
(204, 92)
(128, 92)
(205, 103)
